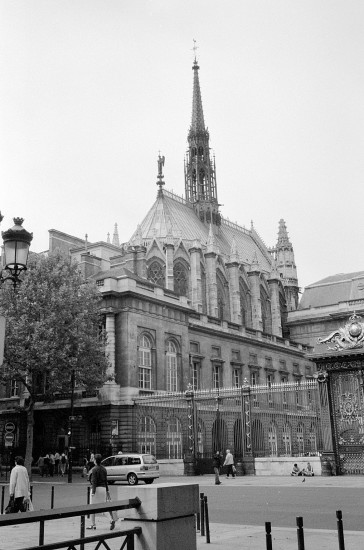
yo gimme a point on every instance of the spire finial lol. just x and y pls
(195, 48)
(160, 176)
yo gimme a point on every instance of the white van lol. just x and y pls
(131, 467)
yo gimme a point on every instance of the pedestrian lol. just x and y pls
(63, 464)
(46, 465)
(100, 490)
(91, 462)
(19, 486)
(57, 458)
(229, 462)
(308, 471)
(40, 465)
(217, 461)
(52, 463)
(296, 471)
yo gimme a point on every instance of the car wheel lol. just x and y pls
(132, 479)
(148, 481)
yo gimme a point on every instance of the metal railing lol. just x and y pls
(77, 511)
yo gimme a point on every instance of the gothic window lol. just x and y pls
(171, 357)
(180, 277)
(266, 312)
(200, 438)
(272, 439)
(222, 298)
(245, 307)
(287, 443)
(258, 438)
(174, 438)
(283, 312)
(312, 439)
(300, 439)
(219, 434)
(203, 290)
(156, 274)
(145, 363)
(147, 435)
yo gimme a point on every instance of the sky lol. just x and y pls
(92, 90)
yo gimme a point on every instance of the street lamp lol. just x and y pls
(16, 248)
(70, 429)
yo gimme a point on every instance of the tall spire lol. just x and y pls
(115, 237)
(200, 169)
(286, 266)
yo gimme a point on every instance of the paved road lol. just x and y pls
(247, 501)
(238, 510)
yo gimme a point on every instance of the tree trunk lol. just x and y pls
(29, 448)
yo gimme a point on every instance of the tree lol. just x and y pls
(53, 329)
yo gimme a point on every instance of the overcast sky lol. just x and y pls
(91, 90)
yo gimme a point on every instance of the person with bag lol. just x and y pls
(100, 491)
(19, 486)
(229, 462)
(217, 461)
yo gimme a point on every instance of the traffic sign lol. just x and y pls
(10, 427)
(9, 439)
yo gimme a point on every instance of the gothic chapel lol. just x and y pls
(191, 300)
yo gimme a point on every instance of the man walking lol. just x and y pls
(19, 486)
(229, 462)
(217, 461)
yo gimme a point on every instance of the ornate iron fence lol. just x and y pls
(263, 420)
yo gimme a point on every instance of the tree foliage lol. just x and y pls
(53, 328)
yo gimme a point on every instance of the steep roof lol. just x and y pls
(341, 287)
(173, 216)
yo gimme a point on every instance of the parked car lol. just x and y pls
(131, 467)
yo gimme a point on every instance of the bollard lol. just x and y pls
(82, 532)
(52, 497)
(202, 511)
(2, 499)
(268, 535)
(198, 521)
(300, 536)
(88, 498)
(207, 520)
(340, 530)
(31, 493)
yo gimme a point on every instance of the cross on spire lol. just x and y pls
(195, 48)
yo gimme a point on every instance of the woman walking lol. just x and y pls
(100, 491)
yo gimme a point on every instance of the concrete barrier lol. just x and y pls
(166, 515)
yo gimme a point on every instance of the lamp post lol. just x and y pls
(16, 248)
(70, 428)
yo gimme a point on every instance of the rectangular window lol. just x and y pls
(216, 351)
(14, 388)
(236, 378)
(235, 355)
(253, 359)
(270, 381)
(145, 380)
(216, 377)
(268, 362)
(194, 347)
(253, 378)
(196, 375)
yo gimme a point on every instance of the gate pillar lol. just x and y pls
(246, 426)
(328, 463)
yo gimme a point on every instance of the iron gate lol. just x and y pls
(347, 412)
